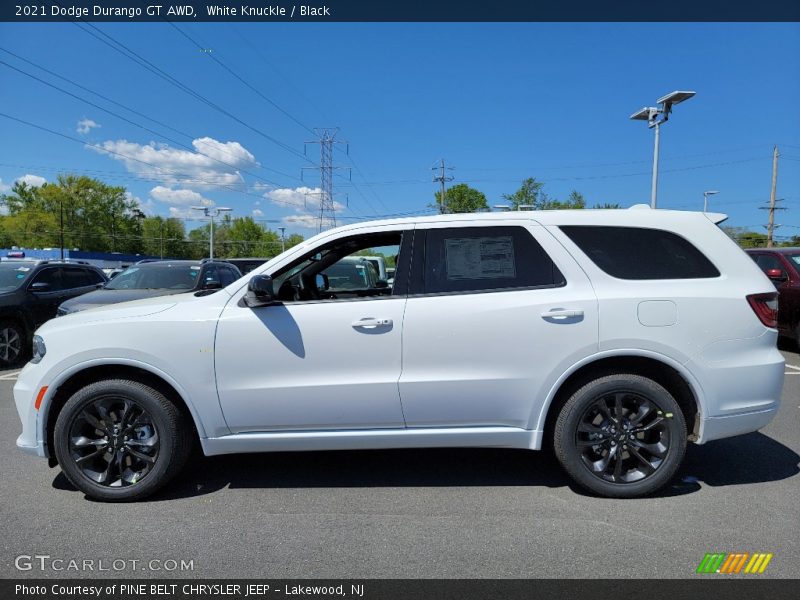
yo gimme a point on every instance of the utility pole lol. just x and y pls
(283, 239)
(772, 200)
(327, 207)
(442, 178)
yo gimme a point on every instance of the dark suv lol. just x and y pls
(782, 266)
(151, 278)
(30, 292)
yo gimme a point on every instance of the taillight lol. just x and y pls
(766, 308)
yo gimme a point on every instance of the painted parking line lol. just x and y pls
(12, 376)
(788, 366)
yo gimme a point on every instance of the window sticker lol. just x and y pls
(480, 258)
(23, 269)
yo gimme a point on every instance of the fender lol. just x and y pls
(104, 362)
(691, 380)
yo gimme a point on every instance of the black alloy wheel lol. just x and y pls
(11, 343)
(118, 440)
(114, 441)
(621, 436)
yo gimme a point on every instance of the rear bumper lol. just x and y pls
(715, 428)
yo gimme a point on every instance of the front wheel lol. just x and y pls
(621, 436)
(119, 440)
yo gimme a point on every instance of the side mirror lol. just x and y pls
(260, 292)
(774, 274)
(212, 284)
(40, 287)
(381, 284)
(322, 282)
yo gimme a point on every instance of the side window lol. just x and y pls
(50, 276)
(640, 253)
(346, 269)
(227, 276)
(93, 277)
(75, 278)
(474, 259)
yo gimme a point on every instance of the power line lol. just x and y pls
(139, 125)
(133, 158)
(241, 79)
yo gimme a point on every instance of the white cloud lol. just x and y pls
(3, 187)
(32, 180)
(301, 198)
(181, 197)
(174, 166)
(307, 221)
(86, 125)
(258, 212)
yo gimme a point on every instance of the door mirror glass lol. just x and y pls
(40, 287)
(212, 284)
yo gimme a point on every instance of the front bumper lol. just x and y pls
(30, 440)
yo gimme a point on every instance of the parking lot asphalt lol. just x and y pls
(459, 513)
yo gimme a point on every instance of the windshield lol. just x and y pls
(795, 258)
(13, 275)
(155, 276)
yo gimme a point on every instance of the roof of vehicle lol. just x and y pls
(783, 250)
(172, 263)
(35, 262)
(639, 215)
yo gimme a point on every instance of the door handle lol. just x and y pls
(561, 313)
(371, 323)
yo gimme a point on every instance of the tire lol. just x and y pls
(13, 344)
(621, 463)
(103, 462)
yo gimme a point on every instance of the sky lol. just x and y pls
(227, 121)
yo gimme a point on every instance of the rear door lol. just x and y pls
(495, 314)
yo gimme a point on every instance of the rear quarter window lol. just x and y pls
(641, 253)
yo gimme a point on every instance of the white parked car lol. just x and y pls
(617, 335)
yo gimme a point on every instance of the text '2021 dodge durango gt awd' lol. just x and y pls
(615, 335)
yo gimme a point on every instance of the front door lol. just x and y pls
(325, 358)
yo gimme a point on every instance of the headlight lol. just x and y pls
(39, 349)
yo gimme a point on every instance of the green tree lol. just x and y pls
(95, 216)
(745, 238)
(530, 194)
(608, 205)
(461, 199)
(164, 237)
(574, 201)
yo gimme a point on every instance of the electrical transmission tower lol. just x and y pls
(327, 207)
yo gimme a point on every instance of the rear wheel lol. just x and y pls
(12, 344)
(119, 440)
(621, 436)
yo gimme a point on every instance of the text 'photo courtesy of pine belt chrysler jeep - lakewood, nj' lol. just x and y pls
(613, 336)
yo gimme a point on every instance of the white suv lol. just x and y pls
(615, 335)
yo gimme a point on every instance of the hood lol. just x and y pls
(104, 297)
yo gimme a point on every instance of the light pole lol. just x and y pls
(214, 212)
(705, 198)
(283, 239)
(651, 115)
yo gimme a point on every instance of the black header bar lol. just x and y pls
(400, 10)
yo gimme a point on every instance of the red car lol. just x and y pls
(782, 266)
